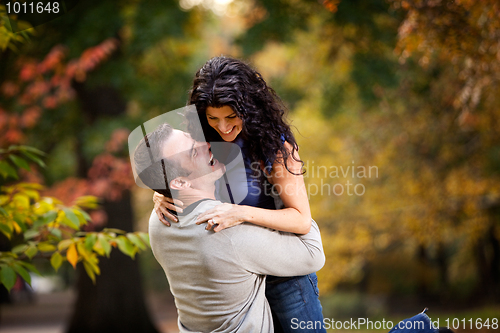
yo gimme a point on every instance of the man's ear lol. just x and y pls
(180, 183)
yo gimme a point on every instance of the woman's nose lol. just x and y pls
(223, 126)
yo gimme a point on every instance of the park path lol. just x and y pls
(49, 313)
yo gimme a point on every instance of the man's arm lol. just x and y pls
(270, 252)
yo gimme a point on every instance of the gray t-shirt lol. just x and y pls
(218, 279)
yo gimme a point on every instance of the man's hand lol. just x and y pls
(222, 216)
(162, 204)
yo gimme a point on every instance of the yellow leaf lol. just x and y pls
(46, 247)
(56, 260)
(72, 255)
(82, 250)
(21, 200)
(64, 244)
(89, 270)
(17, 227)
(98, 249)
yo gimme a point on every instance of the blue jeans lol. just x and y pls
(416, 324)
(295, 304)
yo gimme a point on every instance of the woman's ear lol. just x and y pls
(180, 183)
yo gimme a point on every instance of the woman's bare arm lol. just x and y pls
(295, 217)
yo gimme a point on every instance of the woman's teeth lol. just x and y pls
(228, 131)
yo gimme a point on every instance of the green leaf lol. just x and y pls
(66, 221)
(19, 248)
(145, 237)
(105, 244)
(7, 277)
(136, 240)
(45, 219)
(34, 158)
(56, 260)
(30, 149)
(90, 240)
(31, 234)
(3, 212)
(22, 272)
(56, 232)
(31, 251)
(84, 213)
(126, 246)
(30, 267)
(81, 219)
(20, 162)
(74, 221)
(97, 248)
(7, 170)
(50, 216)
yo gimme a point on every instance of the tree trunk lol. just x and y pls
(115, 303)
(423, 268)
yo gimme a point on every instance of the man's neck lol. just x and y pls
(190, 196)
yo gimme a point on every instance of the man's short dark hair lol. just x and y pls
(154, 170)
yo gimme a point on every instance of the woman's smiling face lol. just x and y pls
(225, 121)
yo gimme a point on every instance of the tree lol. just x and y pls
(33, 225)
(49, 85)
(408, 87)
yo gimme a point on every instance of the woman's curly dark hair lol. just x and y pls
(226, 81)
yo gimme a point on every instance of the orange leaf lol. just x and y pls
(72, 255)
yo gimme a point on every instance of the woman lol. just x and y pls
(236, 105)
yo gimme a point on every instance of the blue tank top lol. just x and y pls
(258, 195)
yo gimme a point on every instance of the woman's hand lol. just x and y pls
(222, 217)
(162, 204)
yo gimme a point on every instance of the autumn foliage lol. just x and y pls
(31, 218)
(42, 85)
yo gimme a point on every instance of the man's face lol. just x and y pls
(194, 157)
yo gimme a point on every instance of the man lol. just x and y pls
(217, 279)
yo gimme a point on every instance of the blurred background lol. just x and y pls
(394, 104)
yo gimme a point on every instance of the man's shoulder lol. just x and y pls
(204, 205)
(190, 212)
(199, 207)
